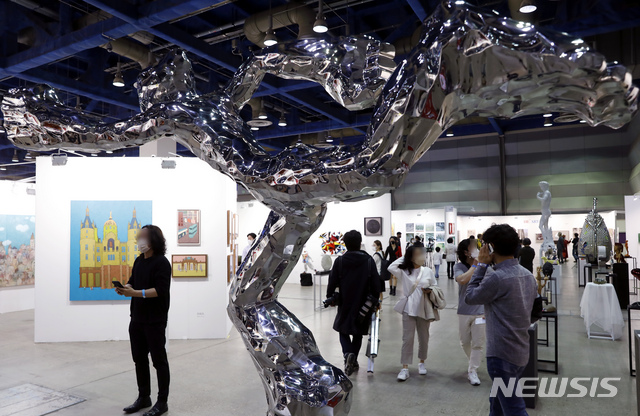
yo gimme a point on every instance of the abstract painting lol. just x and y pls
(17, 250)
(103, 246)
(189, 227)
(189, 265)
(440, 226)
(373, 226)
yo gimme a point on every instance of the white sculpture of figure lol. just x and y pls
(547, 234)
(307, 261)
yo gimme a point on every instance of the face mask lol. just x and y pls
(143, 245)
(249, 242)
(475, 253)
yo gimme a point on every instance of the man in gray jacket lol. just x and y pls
(507, 291)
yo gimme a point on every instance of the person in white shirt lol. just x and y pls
(416, 281)
(437, 261)
(251, 237)
(450, 256)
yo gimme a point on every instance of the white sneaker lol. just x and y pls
(422, 370)
(473, 379)
(403, 375)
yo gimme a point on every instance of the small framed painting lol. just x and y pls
(189, 265)
(189, 227)
(373, 226)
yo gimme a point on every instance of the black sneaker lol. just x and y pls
(350, 360)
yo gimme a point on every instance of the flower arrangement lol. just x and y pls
(332, 243)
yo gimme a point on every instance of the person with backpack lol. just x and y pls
(508, 291)
(381, 265)
(354, 287)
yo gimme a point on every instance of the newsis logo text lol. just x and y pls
(557, 387)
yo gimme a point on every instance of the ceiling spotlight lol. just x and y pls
(449, 133)
(547, 115)
(253, 128)
(459, 2)
(583, 121)
(109, 151)
(320, 25)
(329, 140)
(94, 154)
(28, 156)
(283, 121)
(528, 6)
(271, 38)
(15, 156)
(118, 80)
(3, 168)
(263, 114)
(548, 124)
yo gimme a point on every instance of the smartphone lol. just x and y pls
(490, 249)
(117, 284)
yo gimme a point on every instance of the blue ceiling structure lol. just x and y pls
(62, 44)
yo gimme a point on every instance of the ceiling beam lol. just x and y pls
(418, 9)
(308, 128)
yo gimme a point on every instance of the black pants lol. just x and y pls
(150, 339)
(350, 345)
(450, 265)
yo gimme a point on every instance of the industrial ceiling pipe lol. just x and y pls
(256, 26)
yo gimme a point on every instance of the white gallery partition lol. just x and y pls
(198, 305)
(14, 200)
(341, 217)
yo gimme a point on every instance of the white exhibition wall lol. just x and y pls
(530, 225)
(14, 200)
(342, 217)
(198, 305)
(632, 216)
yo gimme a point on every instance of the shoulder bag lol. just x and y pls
(402, 303)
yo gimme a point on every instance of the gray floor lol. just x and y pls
(217, 377)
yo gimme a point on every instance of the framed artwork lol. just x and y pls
(189, 265)
(17, 250)
(229, 229)
(410, 227)
(419, 228)
(409, 237)
(373, 226)
(440, 237)
(429, 227)
(230, 268)
(539, 238)
(189, 227)
(440, 226)
(103, 246)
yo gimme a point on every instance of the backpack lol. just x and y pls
(384, 264)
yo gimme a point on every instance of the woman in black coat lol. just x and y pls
(354, 276)
(391, 255)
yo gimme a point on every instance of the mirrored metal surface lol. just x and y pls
(467, 63)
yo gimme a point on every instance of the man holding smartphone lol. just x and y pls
(148, 289)
(507, 291)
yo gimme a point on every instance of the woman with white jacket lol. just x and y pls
(416, 280)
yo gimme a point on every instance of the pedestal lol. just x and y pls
(531, 369)
(621, 283)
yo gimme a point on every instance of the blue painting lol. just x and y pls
(103, 246)
(17, 250)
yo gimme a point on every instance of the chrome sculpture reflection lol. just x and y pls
(467, 63)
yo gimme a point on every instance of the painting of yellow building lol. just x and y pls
(191, 265)
(105, 249)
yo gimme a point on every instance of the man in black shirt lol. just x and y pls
(148, 289)
(526, 255)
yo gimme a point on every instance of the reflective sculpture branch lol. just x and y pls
(467, 63)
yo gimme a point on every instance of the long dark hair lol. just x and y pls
(407, 261)
(156, 239)
(462, 248)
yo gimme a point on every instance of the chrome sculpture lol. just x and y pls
(467, 63)
(595, 236)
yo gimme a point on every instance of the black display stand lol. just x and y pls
(531, 369)
(621, 283)
(545, 341)
(633, 307)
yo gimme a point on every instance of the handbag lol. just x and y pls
(402, 303)
(536, 310)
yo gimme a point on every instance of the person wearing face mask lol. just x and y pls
(251, 237)
(391, 255)
(417, 281)
(378, 257)
(148, 288)
(471, 325)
